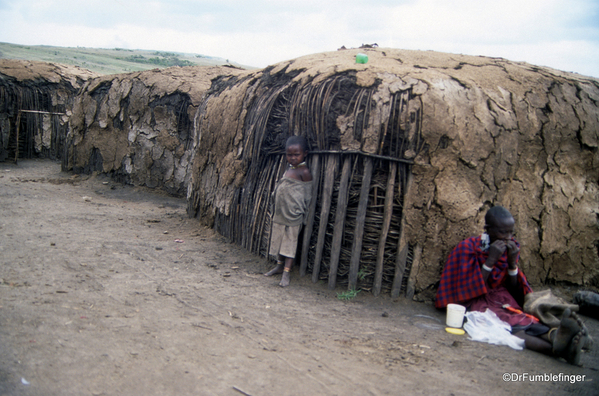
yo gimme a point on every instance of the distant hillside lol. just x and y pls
(109, 61)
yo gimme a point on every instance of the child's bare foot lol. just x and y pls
(276, 270)
(574, 351)
(569, 326)
(285, 279)
(579, 341)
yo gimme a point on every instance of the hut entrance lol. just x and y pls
(30, 124)
(37, 132)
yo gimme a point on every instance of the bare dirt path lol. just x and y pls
(111, 290)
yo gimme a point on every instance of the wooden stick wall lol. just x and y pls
(352, 236)
(353, 233)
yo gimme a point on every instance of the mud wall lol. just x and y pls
(137, 126)
(35, 102)
(516, 135)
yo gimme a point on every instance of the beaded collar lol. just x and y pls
(298, 165)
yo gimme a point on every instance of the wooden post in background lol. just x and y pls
(389, 193)
(411, 289)
(315, 170)
(354, 264)
(339, 222)
(400, 267)
(327, 196)
(403, 246)
(17, 137)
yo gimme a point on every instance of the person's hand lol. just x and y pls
(496, 250)
(512, 254)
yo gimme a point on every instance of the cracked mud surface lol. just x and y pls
(108, 289)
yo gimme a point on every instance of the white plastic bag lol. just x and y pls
(487, 327)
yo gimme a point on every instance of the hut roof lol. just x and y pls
(22, 70)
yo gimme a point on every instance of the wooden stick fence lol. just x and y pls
(352, 235)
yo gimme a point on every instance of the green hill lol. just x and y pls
(109, 61)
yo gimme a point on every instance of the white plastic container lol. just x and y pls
(455, 315)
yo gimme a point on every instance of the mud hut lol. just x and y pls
(137, 126)
(408, 151)
(35, 101)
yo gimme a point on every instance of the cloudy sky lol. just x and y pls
(556, 33)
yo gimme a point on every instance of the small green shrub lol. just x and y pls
(348, 294)
(362, 274)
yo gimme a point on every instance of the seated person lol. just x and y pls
(482, 273)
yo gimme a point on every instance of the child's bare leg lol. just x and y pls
(533, 343)
(285, 279)
(278, 268)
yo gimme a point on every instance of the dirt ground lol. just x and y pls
(108, 289)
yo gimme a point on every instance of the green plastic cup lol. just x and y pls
(361, 58)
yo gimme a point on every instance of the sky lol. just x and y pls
(557, 33)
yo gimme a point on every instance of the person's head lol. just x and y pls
(296, 150)
(499, 224)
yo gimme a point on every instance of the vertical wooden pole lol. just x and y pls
(277, 171)
(327, 195)
(390, 192)
(400, 266)
(402, 244)
(265, 212)
(354, 264)
(410, 290)
(261, 210)
(315, 170)
(249, 236)
(17, 137)
(339, 222)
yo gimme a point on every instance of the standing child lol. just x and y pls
(292, 197)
